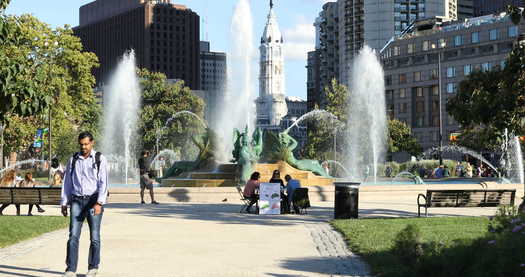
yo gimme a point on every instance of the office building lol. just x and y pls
(213, 79)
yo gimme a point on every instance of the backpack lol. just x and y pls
(75, 159)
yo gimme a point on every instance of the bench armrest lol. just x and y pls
(418, 200)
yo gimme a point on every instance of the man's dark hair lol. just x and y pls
(144, 152)
(84, 135)
(287, 177)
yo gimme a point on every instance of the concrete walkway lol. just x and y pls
(195, 239)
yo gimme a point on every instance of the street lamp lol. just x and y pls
(441, 45)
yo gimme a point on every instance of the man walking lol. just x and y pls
(85, 191)
(145, 178)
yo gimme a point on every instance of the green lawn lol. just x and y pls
(18, 228)
(374, 239)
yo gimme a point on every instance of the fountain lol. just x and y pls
(367, 129)
(340, 165)
(19, 163)
(177, 114)
(317, 114)
(121, 107)
(460, 149)
(415, 179)
(237, 108)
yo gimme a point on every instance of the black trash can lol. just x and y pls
(346, 200)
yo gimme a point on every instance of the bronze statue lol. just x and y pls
(246, 153)
(290, 144)
(206, 142)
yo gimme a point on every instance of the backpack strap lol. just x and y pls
(97, 161)
(74, 162)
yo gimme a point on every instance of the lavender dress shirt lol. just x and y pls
(85, 181)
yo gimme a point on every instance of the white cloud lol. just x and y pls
(298, 41)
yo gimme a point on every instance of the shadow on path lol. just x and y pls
(333, 266)
(4, 271)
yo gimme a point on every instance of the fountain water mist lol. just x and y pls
(121, 107)
(30, 161)
(237, 108)
(515, 171)
(177, 114)
(367, 130)
(460, 149)
(340, 165)
(317, 114)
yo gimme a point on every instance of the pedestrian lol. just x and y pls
(85, 190)
(9, 181)
(291, 186)
(28, 182)
(459, 170)
(145, 179)
(388, 171)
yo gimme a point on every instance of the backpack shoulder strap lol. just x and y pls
(74, 162)
(97, 161)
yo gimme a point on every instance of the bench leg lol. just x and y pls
(418, 211)
(426, 211)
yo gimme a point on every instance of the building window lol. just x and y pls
(485, 66)
(402, 93)
(419, 121)
(451, 72)
(502, 64)
(474, 37)
(410, 48)
(419, 92)
(420, 107)
(425, 45)
(434, 75)
(493, 34)
(402, 78)
(442, 43)
(451, 88)
(458, 40)
(403, 107)
(435, 123)
(396, 50)
(435, 90)
(513, 31)
(388, 80)
(467, 69)
(417, 76)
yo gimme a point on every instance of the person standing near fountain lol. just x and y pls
(145, 180)
(85, 190)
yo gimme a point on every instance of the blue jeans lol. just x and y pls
(82, 208)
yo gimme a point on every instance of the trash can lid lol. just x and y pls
(347, 184)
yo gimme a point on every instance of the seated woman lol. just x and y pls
(57, 179)
(249, 190)
(276, 179)
(28, 182)
(9, 180)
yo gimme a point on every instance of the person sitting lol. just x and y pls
(249, 190)
(291, 186)
(57, 179)
(28, 182)
(445, 172)
(276, 179)
(9, 180)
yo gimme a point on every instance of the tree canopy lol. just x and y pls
(400, 138)
(161, 100)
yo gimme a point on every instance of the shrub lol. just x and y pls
(408, 244)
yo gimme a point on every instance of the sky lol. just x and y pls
(296, 18)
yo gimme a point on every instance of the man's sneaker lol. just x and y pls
(142, 202)
(40, 210)
(154, 202)
(70, 274)
(92, 272)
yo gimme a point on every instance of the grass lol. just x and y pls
(18, 228)
(374, 239)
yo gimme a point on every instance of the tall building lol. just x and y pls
(271, 103)
(213, 78)
(327, 48)
(313, 88)
(412, 75)
(486, 7)
(465, 9)
(165, 37)
(375, 22)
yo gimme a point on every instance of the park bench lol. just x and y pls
(465, 198)
(40, 196)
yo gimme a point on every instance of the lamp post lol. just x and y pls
(440, 109)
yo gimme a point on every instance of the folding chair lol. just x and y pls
(301, 200)
(245, 201)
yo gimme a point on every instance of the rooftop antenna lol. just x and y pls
(271, 4)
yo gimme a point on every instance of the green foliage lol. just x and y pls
(19, 228)
(160, 101)
(408, 244)
(401, 139)
(489, 102)
(273, 150)
(54, 74)
(505, 217)
(320, 135)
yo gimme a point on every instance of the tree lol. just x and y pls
(492, 101)
(400, 138)
(161, 100)
(59, 74)
(321, 135)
